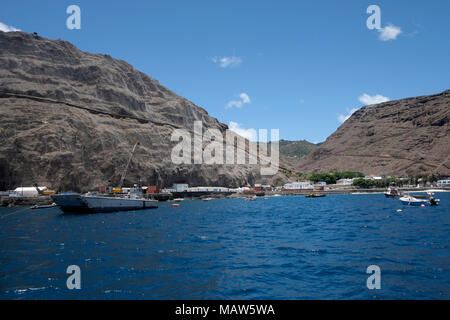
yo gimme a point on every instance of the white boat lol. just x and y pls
(207, 199)
(90, 203)
(178, 199)
(393, 192)
(413, 201)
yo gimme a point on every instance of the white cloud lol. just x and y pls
(367, 100)
(225, 62)
(5, 28)
(389, 33)
(249, 134)
(239, 103)
(342, 118)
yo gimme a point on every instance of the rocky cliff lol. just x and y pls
(404, 138)
(69, 119)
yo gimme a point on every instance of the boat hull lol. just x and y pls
(389, 195)
(76, 203)
(106, 204)
(415, 203)
(411, 201)
(70, 203)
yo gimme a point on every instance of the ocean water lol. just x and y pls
(280, 248)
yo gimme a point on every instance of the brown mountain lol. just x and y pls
(69, 119)
(404, 138)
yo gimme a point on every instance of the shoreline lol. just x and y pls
(46, 200)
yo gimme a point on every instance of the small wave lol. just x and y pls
(21, 291)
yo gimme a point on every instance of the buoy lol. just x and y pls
(266, 198)
(422, 205)
(175, 204)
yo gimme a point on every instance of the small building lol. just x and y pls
(153, 189)
(443, 183)
(27, 192)
(208, 189)
(302, 185)
(373, 177)
(344, 182)
(180, 187)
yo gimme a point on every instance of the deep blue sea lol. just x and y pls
(281, 248)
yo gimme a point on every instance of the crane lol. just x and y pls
(128, 164)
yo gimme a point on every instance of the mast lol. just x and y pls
(128, 164)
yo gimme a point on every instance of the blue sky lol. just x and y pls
(297, 66)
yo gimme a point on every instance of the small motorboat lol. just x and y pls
(250, 198)
(315, 195)
(207, 199)
(419, 202)
(393, 193)
(43, 206)
(178, 199)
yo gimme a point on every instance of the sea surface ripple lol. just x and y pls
(280, 248)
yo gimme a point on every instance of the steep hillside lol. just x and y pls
(291, 152)
(69, 120)
(404, 137)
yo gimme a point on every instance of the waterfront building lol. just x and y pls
(27, 192)
(180, 187)
(344, 182)
(443, 183)
(302, 185)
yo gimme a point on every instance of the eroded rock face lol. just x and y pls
(69, 120)
(404, 138)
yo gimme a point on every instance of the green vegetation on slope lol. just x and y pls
(291, 152)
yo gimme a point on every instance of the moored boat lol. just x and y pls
(43, 206)
(393, 192)
(413, 201)
(315, 195)
(89, 203)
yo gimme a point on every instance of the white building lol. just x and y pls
(443, 183)
(180, 187)
(240, 189)
(344, 182)
(27, 192)
(373, 177)
(208, 189)
(298, 186)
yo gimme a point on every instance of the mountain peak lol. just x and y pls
(402, 137)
